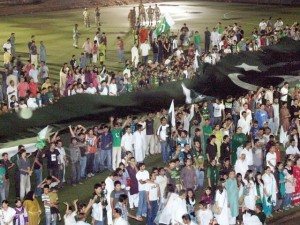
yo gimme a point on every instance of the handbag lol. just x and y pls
(216, 209)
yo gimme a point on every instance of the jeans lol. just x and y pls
(90, 163)
(200, 178)
(142, 208)
(198, 48)
(48, 218)
(97, 222)
(287, 199)
(121, 54)
(235, 119)
(271, 124)
(151, 213)
(76, 172)
(83, 166)
(164, 145)
(38, 179)
(155, 57)
(144, 59)
(2, 193)
(105, 155)
(24, 185)
(97, 161)
(217, 120)
(6, 189)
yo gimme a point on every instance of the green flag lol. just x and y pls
(164, 25)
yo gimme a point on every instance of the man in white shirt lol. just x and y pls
(215, 38)
(7, 45)
(271, 158)
(292, 149)
(139, 144)
(7, 214)
(204, 215)
(219, 111)
(135, 55)
(284, 92)
(152, 195)
(249, 155)
(142, 176)
(186, 219)
(161, 180)
(145, 48)
(91, 89)
(262, 26)
(275, 106)
(127, 140)
(118, 218)
(163, 137)
(113, 88)
(241, 165)
(33, 72)
(244, 123)
(248, 111)
(82, 219)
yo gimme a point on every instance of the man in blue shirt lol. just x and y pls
(261, 115)
(106, 149)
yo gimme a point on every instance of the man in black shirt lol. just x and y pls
(150, 134)
(225, 149)
(211, 148)
(52, 160)
(294, 109)
(187, 154)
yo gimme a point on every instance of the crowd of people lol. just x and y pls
(175, 56)
(230, 161)
(223, 164)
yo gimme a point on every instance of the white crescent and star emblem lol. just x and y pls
(247, 67)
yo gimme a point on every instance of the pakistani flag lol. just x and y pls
(165, 24)
(234, 75)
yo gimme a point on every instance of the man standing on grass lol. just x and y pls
(152, 195)
(116, 133)
(145, 48)
(120, 45)
(86, 18)
(75, 36)
(142, 176)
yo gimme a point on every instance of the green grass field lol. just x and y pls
(55, 29)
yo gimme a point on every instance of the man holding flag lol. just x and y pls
(164, 133)
(164, 26)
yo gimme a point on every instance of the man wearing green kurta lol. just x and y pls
(207, 131)
(238, 139)
(212, 175)
(233, 195)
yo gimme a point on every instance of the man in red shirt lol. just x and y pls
(23, 87)
(33, 87)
